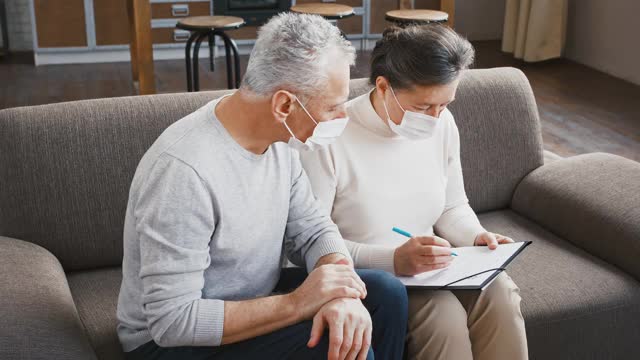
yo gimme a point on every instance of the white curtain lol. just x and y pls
(535, 30)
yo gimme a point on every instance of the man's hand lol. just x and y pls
(324, 284)
(491, 240)
(420, 254)
(349, 326)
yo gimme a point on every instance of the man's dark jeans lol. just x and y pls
(386, 301)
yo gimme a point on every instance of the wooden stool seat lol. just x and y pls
(326, 10)
(416, 16)
(202, 27)
(200, 23)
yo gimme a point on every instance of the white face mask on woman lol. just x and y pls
(325, 133)
(414, 126)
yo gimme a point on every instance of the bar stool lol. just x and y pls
(202, 27)
(331, 12)
(408, 17)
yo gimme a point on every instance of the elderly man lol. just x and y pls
(220, 197)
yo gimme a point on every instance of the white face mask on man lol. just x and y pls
(325, 133)
(413, 126)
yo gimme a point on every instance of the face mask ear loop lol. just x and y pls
(305, 110)
(384, 104)
(394, 96)
(288, 129)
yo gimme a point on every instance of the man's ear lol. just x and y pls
(282, 105)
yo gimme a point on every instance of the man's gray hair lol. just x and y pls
(295, 52)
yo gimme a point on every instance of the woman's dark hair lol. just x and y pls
(420, 55)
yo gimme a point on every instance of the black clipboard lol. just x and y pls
(496, 272)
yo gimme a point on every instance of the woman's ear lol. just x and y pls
(382, 84)
(282, 104)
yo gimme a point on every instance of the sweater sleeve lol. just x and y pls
(310, 234)
(458, 223)
(175, 222)
(320, 168)
(371, 256)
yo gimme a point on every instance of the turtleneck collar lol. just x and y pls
(363, 112)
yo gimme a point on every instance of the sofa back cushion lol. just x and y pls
(500, 135)
(66, 168)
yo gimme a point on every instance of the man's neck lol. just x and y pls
(250, 122)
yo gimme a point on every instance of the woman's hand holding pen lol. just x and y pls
(420, 254)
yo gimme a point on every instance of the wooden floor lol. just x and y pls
(582, 110)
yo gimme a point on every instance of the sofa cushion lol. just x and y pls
(575, 305)
(67, 168)
(591, 200)
(500, 134)
(550, 156)
(38, 319)
(95, 294)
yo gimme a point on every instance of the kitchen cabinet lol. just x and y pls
(98, 30)
(60, 23)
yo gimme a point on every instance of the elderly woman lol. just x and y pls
(398, 164)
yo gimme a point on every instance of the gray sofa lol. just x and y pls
(65, 171)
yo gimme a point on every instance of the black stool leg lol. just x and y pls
(187, 56)
(334, 22)
(211, 45)
(236, 60)
(227, 55)
(229, 43)
(196, 52)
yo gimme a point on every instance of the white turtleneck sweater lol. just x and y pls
(371, 180)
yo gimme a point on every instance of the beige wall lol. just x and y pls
(476, 19)
(605, 35)
(602, 34)
(480, 19)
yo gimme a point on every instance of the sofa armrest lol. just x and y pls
(591, 200)
(38, 315)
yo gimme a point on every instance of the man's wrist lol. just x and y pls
(292, 309)
(333, 258)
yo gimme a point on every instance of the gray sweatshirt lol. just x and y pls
(208, 221)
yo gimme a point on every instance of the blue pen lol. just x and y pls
(404, 233)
